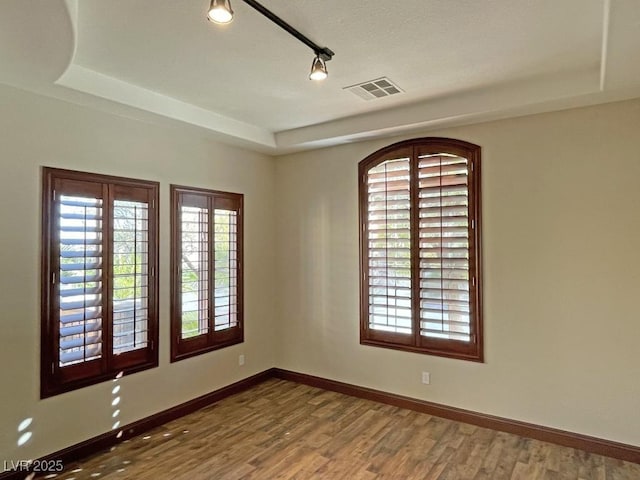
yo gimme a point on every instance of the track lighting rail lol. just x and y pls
(323, 52)
(220, 12)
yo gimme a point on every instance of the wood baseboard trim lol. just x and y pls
(107, 440)
(600, 446)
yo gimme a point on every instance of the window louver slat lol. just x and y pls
(80, 279)
(384, 224)
(81, 241)
(459, 304)
(429, 252)
(385, 177)
(452, 263)
(79, 215)
(440, 293)
(87, 314)
(72, 292)
(441, 281)
(84, 229)
(89, 326)
(67, 343)
(80, 304)
(82, 354)
(86, 265)
(444, 191)
(86, 279)
(451, 335)
(436, 313)
(86, 253)
(385, 206)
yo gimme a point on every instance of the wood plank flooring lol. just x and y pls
(284, 430)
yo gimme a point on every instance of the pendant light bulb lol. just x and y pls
(318, 69)
(220, 11)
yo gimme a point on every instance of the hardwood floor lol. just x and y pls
(284, 430)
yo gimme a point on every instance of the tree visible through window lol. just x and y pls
(420, 248)
(207, 274)
(99, 311)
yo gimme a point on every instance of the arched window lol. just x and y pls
(420, 248)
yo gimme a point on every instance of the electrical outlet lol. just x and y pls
(240, 360)
(426, 378)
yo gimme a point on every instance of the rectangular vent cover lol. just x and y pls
(378, 88)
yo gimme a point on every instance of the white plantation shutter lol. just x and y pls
(419, 210)
(444, 247)
(389, 246)
(130, 290)
(80, 283)
(225, 276)
(194, 276)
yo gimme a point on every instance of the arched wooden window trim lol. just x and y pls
(416, 154)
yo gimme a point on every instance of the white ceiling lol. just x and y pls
(457, 61)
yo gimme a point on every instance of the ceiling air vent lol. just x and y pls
(378, 88)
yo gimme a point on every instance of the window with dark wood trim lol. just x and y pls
(99, 282)
(206, 266)
(420, 248)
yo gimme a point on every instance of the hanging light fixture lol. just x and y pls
(220, 11)
(318, 69)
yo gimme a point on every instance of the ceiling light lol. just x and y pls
(318, 69)
(220, 11)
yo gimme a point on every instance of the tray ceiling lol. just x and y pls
(247, 82)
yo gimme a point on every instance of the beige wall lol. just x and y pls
(561, 251)
(561, 276)
(36, 131)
